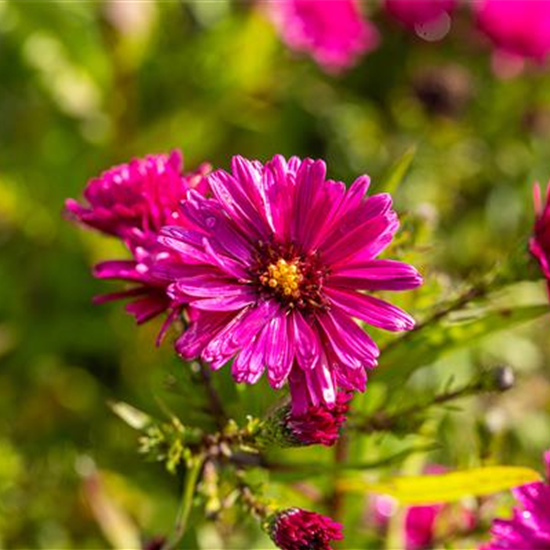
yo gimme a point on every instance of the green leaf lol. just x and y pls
(433, 489)
(133, 417)
(398, 172)
(425, 345)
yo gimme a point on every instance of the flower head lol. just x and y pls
(529, 527)
(133, 202)
(297, 529)
(540, 241)
(318, 425)
(275, 264)
(419, 12)
(331, 31)
(517, 27)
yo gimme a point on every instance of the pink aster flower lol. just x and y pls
(529, 527)
(133, 202)
(540, 241)
(276, 264)
(517, 27)
(333, 32)
(297, 529)
(419, 12)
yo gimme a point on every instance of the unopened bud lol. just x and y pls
(500, 378)
(298, 529)
(319, 425)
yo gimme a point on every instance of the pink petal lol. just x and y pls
(227, 303)
(365, 241)
(244, 326)
(249, 364)
(377, 275)
(200, 332)
(306, 342)
(278, 350)
(373, 311)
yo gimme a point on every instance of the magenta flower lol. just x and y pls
(333, 32)
(276, 264)
(529, 527)
(412, 13)
(420, 526)
(133, 202)
(297, 529)
(320, 424)
(517, 27)
(540, 241)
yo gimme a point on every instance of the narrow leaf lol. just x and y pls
(133, 417)
(433, 489)
(398, 171)
(426, 345)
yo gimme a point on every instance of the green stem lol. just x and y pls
(186, 502)
(496, 379)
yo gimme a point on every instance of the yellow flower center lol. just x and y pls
(283, 277)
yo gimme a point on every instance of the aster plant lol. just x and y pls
(273, 268)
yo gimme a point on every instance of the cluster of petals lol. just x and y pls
(540, 241)
(529, 527)
(133, 202)
(412, 13)
(517, 27)
(298, 529)
(320, 424)
(273, 271)
(333, 32)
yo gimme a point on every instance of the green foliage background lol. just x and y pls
(81, 90)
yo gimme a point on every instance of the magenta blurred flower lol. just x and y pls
(320, 424)
(297, 529)
(540, 241)
(275, 264)
(419, 12)
(529, 527)
(420, 526)
(517, 27)
(333, 32)
(133, 202)
(423, 525)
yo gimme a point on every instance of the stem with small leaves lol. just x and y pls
(190, 483)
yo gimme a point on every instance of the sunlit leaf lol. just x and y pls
(426, 345)
(431, 489)
(133, 417)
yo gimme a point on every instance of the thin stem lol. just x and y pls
(186, 502)
(336, 502)
(492, 380)
(216, 405)
(455, 305)
(256, 506)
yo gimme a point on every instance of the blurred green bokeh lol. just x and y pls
(88, 84)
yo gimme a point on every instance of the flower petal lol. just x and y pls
(377, 275)
(373, 311)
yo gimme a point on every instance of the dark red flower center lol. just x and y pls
(294, 278)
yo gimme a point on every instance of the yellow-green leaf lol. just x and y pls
(398, 172)
(431, 489)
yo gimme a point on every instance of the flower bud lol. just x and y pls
(298, 529)
(319, 425)
(500, 379)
